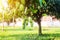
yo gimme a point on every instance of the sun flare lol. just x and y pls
(3, 4)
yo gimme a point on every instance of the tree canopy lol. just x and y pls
(54, 7)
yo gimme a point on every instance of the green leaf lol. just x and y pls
(21, 8)
(35, 11)
(40, 1)
(23, 2)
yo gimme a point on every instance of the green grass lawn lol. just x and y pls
(17, 33)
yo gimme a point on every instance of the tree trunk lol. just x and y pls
(3, 22)
(13, 21)
(24, 24)
(3, 27)
(40, 29)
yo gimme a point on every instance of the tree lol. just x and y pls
(50, 7)
(16, 8)
(35, 11)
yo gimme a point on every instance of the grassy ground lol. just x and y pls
(17, 33)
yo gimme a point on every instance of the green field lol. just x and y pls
(17, 33)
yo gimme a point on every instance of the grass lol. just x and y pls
(17, 33)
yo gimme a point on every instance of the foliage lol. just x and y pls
(0, 17)
(53, 7)
(15, 9)
(36, 9)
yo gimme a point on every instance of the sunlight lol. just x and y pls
(3, 4)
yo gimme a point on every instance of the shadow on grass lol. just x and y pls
(33, 36)
(21, 37)
(51, 35)
(48, 37)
